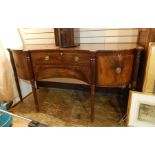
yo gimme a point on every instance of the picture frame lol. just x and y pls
(149, 79)
(141, 110)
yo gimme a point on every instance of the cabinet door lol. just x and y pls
(114, 68)
(21, 64)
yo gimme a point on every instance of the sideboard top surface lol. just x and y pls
(90, 47)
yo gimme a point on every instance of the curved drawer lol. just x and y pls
(56, 57)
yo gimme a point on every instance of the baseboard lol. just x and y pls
(15, 103)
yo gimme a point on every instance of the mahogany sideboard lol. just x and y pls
(97, 65)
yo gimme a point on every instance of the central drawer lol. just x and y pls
(57, 57)
(62, 63)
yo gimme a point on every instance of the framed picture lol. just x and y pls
(141, 109)
(149, 80)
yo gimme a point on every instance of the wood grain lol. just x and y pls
(107, 65)
(20, 60)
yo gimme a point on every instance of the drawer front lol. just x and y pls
(76, 57)
(60, 57)
(45, 57)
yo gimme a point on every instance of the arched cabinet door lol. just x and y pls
(22, 61)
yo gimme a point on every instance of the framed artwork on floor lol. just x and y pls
(149, 80)
(141, 109)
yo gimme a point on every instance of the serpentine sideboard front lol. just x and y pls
(97, 65)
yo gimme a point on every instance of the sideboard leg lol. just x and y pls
(35, 95)
(15, 75)
(92, 101)
(18, 88)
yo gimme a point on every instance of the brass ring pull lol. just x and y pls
(46, 58)
(118, 70)
(76, 58)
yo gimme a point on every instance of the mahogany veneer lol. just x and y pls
(101, 67)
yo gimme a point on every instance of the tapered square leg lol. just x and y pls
(35, 95)
(92, 102)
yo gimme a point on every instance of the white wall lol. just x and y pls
(10, 38)
(94, 35)
(45, 36)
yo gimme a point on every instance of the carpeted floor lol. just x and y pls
(71, 108)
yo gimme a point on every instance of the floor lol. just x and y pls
(69, 108)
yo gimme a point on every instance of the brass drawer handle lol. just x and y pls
(46, 58)
(76, 58)
(61, 54)
(118, 70)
